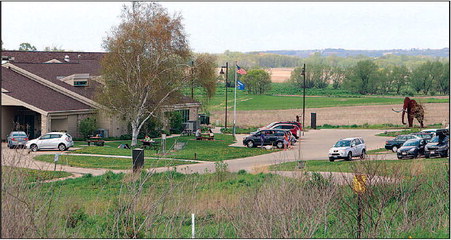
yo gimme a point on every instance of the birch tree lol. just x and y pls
(146, 64)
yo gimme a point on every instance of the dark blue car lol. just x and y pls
(411, 149)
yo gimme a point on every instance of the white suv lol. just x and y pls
(347, 148)
(53, 140)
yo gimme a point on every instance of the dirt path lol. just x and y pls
(371, 114)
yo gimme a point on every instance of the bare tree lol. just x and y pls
(146, 65)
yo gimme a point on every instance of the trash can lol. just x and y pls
(138, 159)
(313, 120)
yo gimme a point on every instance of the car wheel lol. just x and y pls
(331, 159)
(250, 144)
(363, 155)
(399, 157)
(426, 155)
(415, 156)
(349, 158)
(61, 147)
(34, 148)
(394, 149)
(279, 144)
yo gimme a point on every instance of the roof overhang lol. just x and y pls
(11, 101)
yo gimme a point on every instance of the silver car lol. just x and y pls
(53, 140)
(17, 139)
(347, 148)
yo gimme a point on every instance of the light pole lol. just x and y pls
(192, 80)
(226, 83)
(303, 102)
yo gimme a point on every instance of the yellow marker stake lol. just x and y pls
(359, 183)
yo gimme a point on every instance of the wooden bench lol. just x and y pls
(96, 142)
(205, 137)
(151, 144)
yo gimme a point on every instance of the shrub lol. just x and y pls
(87, 126)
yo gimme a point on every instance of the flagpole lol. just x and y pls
(234, 104)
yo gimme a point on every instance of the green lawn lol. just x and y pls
(347, 166)
(216, 150)
(108, 162)
(272, 102)
(33, 175)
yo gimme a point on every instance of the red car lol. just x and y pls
(294, 129)
(286, 122)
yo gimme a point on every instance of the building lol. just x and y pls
(53, 91)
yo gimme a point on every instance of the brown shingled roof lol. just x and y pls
(50, 71)
(36, 94)
(41, 57)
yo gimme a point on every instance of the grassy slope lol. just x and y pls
(107, 162)
(33, 175)
(97, 197)
(203, 150)
(347, 166)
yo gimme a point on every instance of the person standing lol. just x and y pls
(286, 141)
(262, 139)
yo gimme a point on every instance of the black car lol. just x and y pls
(411, 148)
(439, 145)
(270, 137)
(397, 142)
(427, 136)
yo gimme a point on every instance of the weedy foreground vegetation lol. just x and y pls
(413, 203)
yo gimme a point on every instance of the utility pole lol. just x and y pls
(303, 103)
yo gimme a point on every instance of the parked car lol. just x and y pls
(285, 122)
(347, 148)
(411, 149)
(271, 137)
(398, 141)
(53, 140)
(429, 131)
(439, 145)
(427, 136)
(294, 129)
(16, 139)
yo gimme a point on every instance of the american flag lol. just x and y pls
(240, 70)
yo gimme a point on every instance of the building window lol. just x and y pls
(185, 114)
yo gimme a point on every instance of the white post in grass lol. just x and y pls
(193, 228)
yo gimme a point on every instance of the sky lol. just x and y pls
(215, 27)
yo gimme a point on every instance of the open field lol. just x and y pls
(280, 74)
(268, 102)
(371, 114)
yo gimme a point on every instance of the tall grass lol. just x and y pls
(230, 205)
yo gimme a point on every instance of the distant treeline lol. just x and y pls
(389, 74)
(271, 60)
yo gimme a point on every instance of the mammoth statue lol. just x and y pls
(414, 110)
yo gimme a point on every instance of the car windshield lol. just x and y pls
(434, 139)
(343, 143)
(411, 143)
